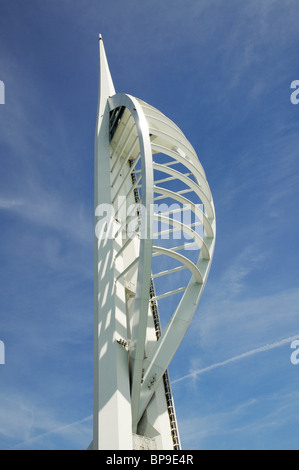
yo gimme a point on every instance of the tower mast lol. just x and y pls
(112, 408)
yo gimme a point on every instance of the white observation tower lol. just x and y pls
(154, 242)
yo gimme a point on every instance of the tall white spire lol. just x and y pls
(106, 86)
(112, 407)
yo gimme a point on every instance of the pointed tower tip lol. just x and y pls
(100, 37)
(106, 86)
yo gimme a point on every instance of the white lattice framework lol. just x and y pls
(143, 159)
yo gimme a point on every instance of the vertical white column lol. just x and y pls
(112, 404)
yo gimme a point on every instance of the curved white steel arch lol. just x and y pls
(192, 185)
(205, 252)
(132, 139)
(181, 158)
(183, 200)
(182, 259)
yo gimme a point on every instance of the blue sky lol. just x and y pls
(220, 69)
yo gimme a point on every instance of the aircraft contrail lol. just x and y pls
(267, 347)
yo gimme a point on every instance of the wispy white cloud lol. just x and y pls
(248, 261)
(251, 41)
(10, 204)
(249, 424)
(50, 209)
(24, 425)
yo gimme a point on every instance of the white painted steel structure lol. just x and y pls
(142, 157)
